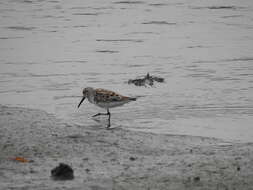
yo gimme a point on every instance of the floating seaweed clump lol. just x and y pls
(146, 80)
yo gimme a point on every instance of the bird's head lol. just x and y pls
(86, 93)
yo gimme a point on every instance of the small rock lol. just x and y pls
(87, 170)
(132, 158)
(32, 171)
(238, 168)
(197, 178)
(62, 172)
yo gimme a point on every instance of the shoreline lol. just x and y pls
(116, 158)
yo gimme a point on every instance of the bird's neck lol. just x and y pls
(91, 98)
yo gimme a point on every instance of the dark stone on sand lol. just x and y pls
(132, 158)
(87, 170)
(197, 178)
(147, 80)
(62, 172)
(238, 168)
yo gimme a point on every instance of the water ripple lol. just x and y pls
(25, 28)
(87, 14)
(129, 2)
(120, 40)
(225, 7)
(160, 23)
(106, 51)
(158, 4)
(11, 38)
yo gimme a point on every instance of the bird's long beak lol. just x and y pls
(81, 102)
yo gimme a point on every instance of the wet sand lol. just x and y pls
(116, 158)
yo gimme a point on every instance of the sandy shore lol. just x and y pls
(116, 158)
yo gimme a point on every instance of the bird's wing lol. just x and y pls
(103, 95)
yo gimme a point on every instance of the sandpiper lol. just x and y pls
(104, 99)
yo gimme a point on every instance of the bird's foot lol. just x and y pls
(99, 114)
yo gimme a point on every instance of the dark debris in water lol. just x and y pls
(147, 80)
(62, 172)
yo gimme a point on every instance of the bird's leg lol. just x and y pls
(99, 114)
(109, 118)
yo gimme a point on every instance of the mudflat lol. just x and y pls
(115, 158)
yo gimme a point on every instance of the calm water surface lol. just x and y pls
(50, 50)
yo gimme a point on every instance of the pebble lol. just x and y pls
(62, 172)
(132, 158)
(197, 178)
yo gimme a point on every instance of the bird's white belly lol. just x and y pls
(109, 104)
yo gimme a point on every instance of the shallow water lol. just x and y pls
(50, 50)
